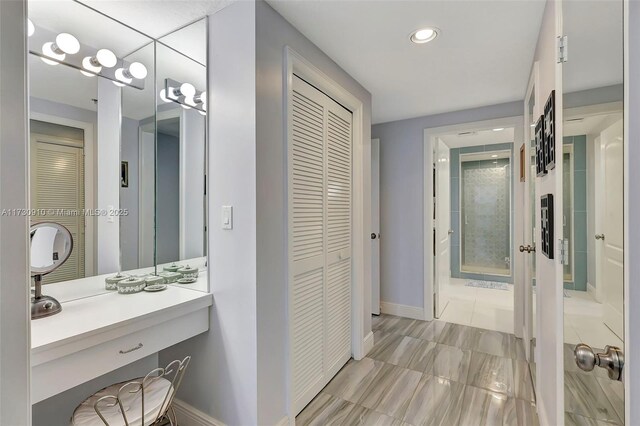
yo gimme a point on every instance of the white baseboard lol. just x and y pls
(367, 344)
(591, 290)
(406, 311)
(283, 422)
(189, 415)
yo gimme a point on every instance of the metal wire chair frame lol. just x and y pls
(173, 372)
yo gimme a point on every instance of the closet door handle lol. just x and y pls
(135, 348)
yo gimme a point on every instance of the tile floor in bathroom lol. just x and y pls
(430, 372)
(439, 373)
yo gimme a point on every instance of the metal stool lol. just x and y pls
(143, 401)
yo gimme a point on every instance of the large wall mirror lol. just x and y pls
(118, 144)
(592, 208)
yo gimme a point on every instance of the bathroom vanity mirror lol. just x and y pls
(122, 170)
(592, 209)
(181, 146)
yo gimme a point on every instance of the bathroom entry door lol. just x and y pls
(375, 226)
(613, 232)
(443, 226)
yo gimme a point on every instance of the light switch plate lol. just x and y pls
(227, 217)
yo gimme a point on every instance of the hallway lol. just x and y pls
(430, 372)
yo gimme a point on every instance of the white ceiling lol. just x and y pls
(594, 30)
(482, 56)
(478, 137)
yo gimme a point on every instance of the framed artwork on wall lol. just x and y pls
(541, 169)
(549, 132)
(546, 225)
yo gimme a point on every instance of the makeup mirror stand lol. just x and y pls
(43, 306)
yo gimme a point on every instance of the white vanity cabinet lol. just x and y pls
(95, 335)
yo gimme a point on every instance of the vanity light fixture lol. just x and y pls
(424, 35)
(498, 129)
(88, 64)
(137, 70)
(184, 94)
(66, 43)
(30, 28)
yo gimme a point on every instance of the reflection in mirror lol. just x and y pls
(51, 244)
(592, 200)
(88, 74)
(181, 147)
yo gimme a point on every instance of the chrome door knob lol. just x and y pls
(450, 231)
(612, 359)
(599, 236)
(527, 248)
(374, 236)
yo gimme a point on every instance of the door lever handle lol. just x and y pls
(450, 231)
(599, 236)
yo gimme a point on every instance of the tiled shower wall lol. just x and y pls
(485, 215)
(456, 212)
(579, 258)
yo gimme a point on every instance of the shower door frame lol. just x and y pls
(511, 210)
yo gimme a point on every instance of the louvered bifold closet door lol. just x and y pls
(319, 176)
(57, 182)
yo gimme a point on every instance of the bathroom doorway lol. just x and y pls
(474, 224)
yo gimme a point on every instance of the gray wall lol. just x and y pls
(129, 151)
(168, 199)
(401, 203)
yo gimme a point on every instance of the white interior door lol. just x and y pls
(613, 243)
(319, 227)
(443, 226)
(375, 226)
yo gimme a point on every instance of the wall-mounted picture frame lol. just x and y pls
(523, 165)
(541, 169)
(124, 174)
(550, 131)
(546, 225)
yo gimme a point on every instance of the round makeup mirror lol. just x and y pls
(51, 245)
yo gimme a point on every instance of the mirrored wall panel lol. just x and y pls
(593, 231)
(181, 85)
(118, 147)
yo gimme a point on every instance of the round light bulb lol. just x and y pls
(118, 84)
(120, 76)
(88, 65)
(30, 28)
(68, 43)
(187, 90)
(424, 35)
(190, 100)
(163, 96)
(88, 74)
(202, 113)
(47, 49)
(138, 70)
(106, 58)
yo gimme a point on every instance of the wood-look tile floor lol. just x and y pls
(430, 373)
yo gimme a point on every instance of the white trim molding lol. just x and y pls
(284, 422)
(188, 415)
(413, 312)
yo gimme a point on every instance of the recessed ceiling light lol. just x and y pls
(424, 35)
(498, 129)
(494, 156)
